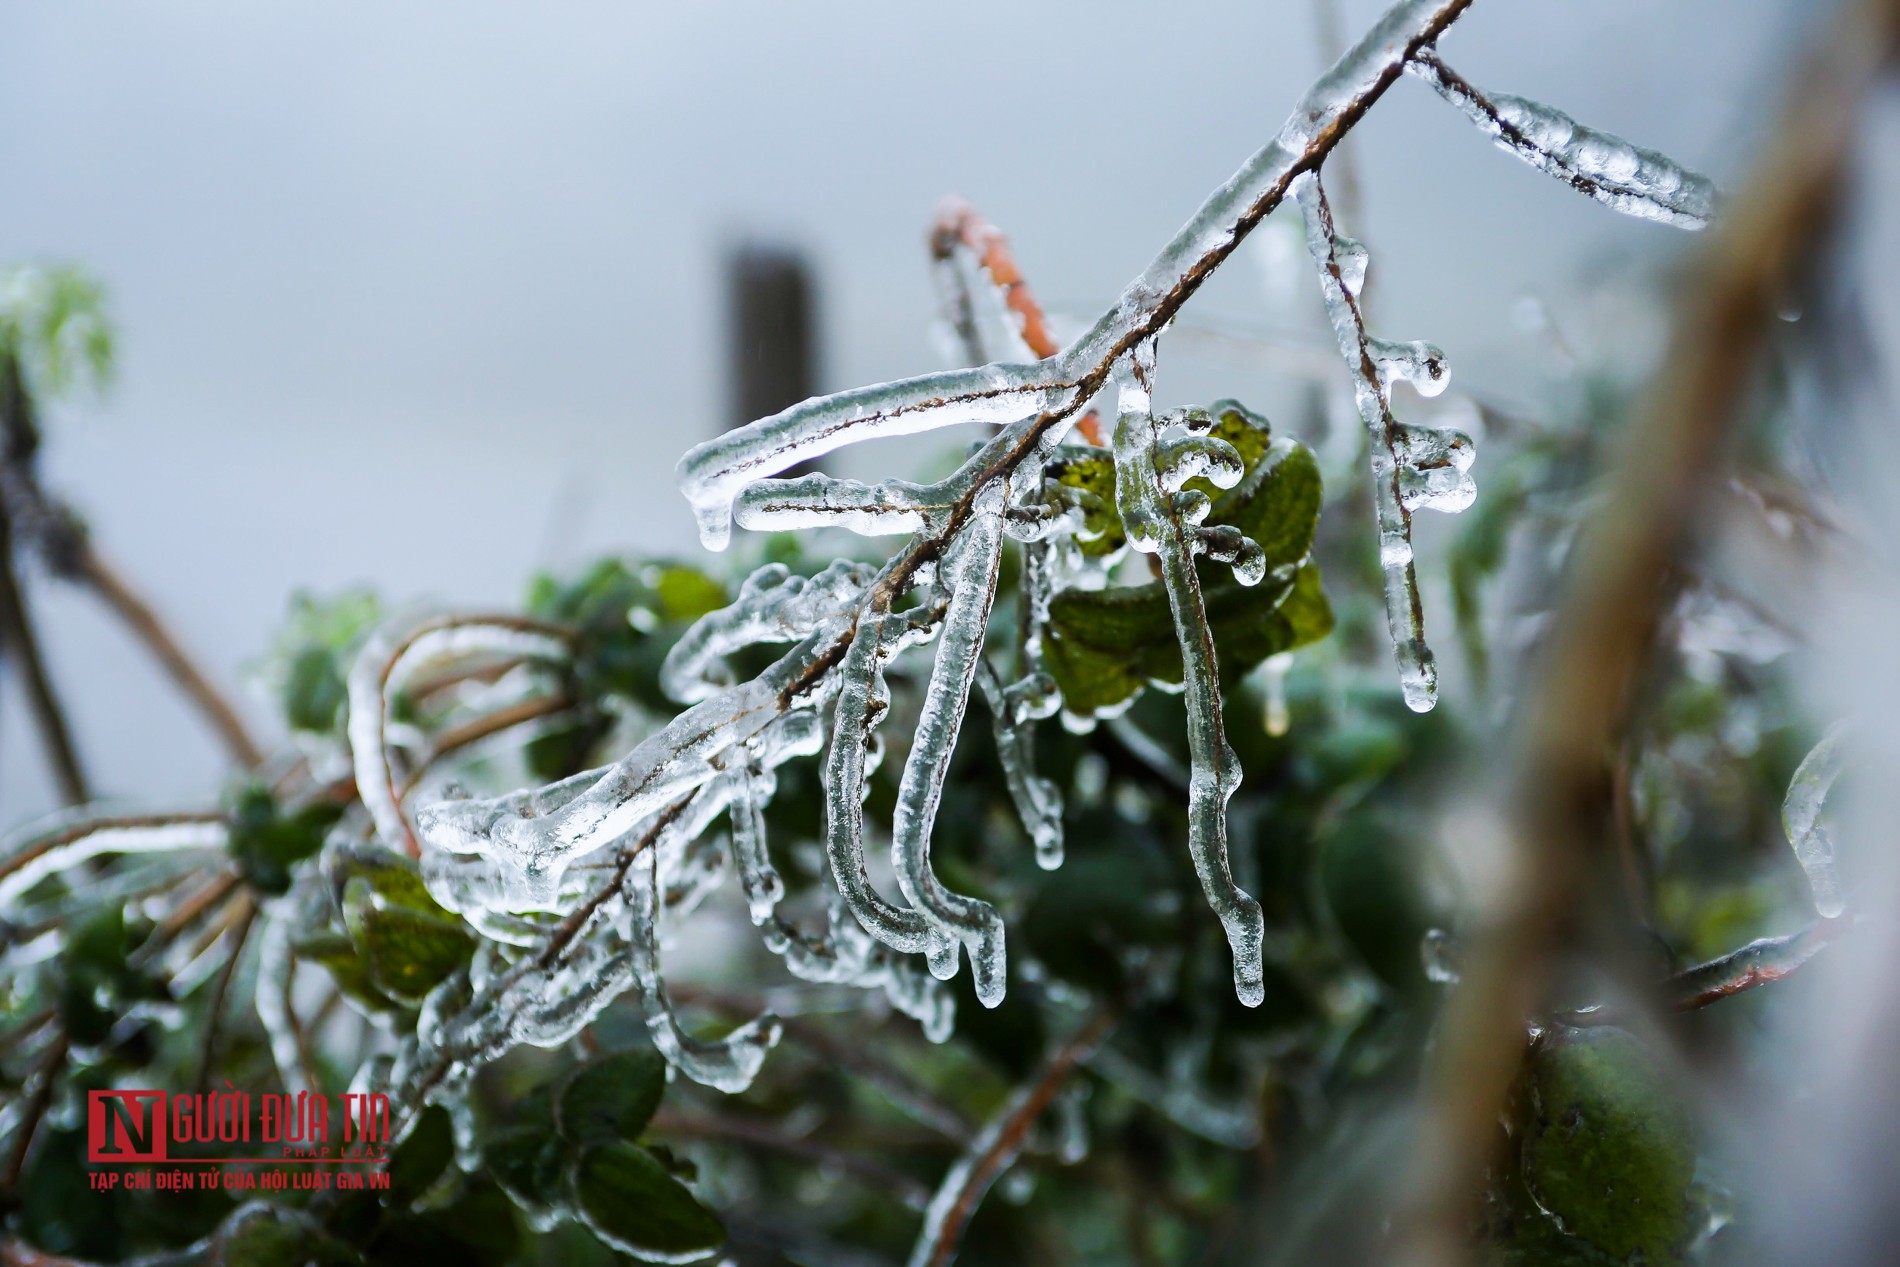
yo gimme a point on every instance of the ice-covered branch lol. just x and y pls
(1049, 393)
(1627, 178)
(998, 1144)
(38, 856)
(1412, 468)
(1166, 523)
(379, 673)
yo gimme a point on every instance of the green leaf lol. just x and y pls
(314, 691)
(1608, 1150)
(395, 879)
(260, 1235)
(630, 1201)
(530, 1166)
(338, 955)
(1093, 472)
(611, 1098)
(267, 843)
(422, 1156)
(408, 951)
(686, 593)
(1104, 646)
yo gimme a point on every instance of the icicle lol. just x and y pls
(863, 698)
(729, 1064)
(1273, 671)
(1438, 952)
(969, 574)
(1038, 801)
(1412, 467)
(1801, 819)
(272, 994)
(760, 880)
(1627, 178)
(1152, 520)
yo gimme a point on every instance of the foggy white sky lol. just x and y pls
(426, 295)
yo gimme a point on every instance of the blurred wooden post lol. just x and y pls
(771, 331)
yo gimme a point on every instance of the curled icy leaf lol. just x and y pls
(1801, 819)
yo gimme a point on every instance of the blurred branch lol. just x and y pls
(19, 646)
(960, 224)
(707, 1124)
(144, 624)
(1554, 813)
(997, 1144)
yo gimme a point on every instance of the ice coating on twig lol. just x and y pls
(1801, 819)
(42, 853)
(1412, 467)
(1158, 523)
(969, 575)
(1049, 393)
(388, 659)
(825, 501)
(1038, 801)
(533, 836)
(1627, 178)
(757, 877)
(772, 606)
(727, 1064)
(863, 698)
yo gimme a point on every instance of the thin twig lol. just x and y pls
(960, 224)
(1757, 963)
(20, 646)
(998, 1143)
(139, 617)
(208, 1048)
(725, 1126)
(1603, 630)
(36, 1106)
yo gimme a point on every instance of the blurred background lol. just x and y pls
(424, 299)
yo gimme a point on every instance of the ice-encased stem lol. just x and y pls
(1038, 801)
(1801, 813)
(727, 1064)
(1624, 177)
(1341, 266)
(387, 660)
(1155, 524)
(82, 838)
(863, 698)
(1053, 391)
(969, 574)
(757, 876)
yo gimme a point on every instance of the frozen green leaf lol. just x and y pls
(630, 1201)
(611, 1098)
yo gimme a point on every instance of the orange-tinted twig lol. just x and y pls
(960, 224)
